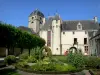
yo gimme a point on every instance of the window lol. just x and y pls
(40, 18)
(50, 27)
(63, 32)
(85, 40)
(75, 40)
(85, 32)
(86, 49)
(32, 22)
(73, 32)
(56, 21)
(49, 38)
(32, 17)
(79, 26)
(40, 22)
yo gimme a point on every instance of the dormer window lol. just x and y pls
(79, 26)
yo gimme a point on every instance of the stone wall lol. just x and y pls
(16, 52)
(2, 52)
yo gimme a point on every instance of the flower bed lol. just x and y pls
(47, 68)
(46, 72)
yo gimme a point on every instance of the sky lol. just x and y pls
(16, 12)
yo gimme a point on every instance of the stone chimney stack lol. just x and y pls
(96, 19)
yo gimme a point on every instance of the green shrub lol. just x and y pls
(67, 68)
(77, 60)
(46, 60)
(43, 67)
(53, 67)
(31, 59)
(92, 62)
(37, 53)
(10, 59)
(22, 64)
(24, 56)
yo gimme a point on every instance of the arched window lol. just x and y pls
(32, 17)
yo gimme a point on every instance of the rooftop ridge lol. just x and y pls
(78, 20)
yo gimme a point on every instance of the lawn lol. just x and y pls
(60, 57)
(8, 72)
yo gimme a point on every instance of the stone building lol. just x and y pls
(60, 35)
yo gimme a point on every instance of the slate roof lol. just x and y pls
(26, 29)
(37, 12)
(86, 25)
(48, 23)
(98, 32)
(72, 25)
(90, 34)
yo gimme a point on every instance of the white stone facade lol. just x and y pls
(62, 40)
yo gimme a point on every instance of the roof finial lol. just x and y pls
(56, 12)
(36, 8)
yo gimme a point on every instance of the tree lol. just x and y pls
(11, 37)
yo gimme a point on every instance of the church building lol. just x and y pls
(63, 35)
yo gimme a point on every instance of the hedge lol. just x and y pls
(11, 37)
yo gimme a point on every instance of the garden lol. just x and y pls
(39, 62)
(38, 58)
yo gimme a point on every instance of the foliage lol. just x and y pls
(31, 59)
(46, 60)
(13, 37)
(92, 62)
(43, 67)
(24, 56)
(80, 61)
(77, 60)
(22, 64)
(37, 53)
(53, 67)
(8, 72)
(10, 59)
(66, 67)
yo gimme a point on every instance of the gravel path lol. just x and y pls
(25, 73)
(86, 72)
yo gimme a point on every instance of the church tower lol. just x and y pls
(56, 35)
(36, 20)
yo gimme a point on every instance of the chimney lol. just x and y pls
(95, 19)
